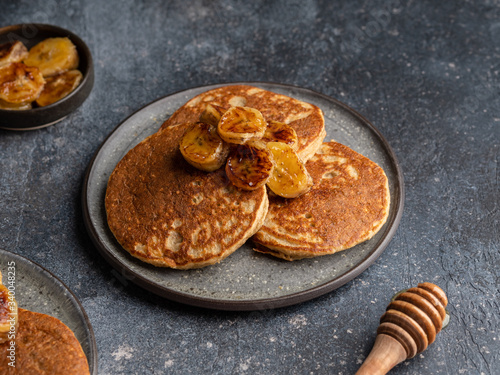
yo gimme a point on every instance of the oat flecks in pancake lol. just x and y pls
(347, 205)
(170, 214)
(306, 119)
(43, 346)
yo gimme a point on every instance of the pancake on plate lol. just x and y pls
(306, 119)
(43, 346)
(165, 212)
(348, 204)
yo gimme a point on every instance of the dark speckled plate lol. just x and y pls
(40, 117)
(246, 280)
(36, 289)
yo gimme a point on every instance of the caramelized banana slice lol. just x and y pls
(241, 124)
(12, 52)
(53, 56)
(20, 84)
(59, 86)
(280, 132)
(202, 147)
(212, 114)
(250, 165)
(290, 178)
(14, 107)
(8, 310)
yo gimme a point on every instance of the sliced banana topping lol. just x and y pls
(53, 56)
(265, 153)
(212, 114)
(202, 147)
(8, 310)
(12, 52)
(58, 87)
(14, 107)
(20, 84)
(280, 132)
(250, 165)
(241, 124)
(289, 178)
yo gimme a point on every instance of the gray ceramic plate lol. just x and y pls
(39, 290)
(246, 280)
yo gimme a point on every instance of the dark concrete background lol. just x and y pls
(425, 73)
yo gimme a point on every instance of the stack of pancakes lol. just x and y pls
(165, 212)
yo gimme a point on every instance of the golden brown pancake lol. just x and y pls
(305, 118)
(347, 205)
(165, 212)
(43, 346)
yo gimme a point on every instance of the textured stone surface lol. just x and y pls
(426, 75)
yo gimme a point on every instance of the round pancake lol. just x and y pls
(347, 205)
(165, 212)
(306, 119)
(43, 346)
(8, 309)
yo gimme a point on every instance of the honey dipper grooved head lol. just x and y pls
(410, 323)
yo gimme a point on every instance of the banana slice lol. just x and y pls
(241, 124)
(12, 52)
(20, 84)
(59, 86)
(8, 310)
(212, 114)
(290, 178)
(14, 107)
(250, 165)
(53, 56)
(281, 132)
(202, 147)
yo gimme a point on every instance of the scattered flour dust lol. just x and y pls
(123, 352)
(298, 321)
(245, 365)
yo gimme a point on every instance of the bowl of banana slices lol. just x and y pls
(46, 72)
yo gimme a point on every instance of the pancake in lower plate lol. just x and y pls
(43, 345)
(305, 118)
(165, 212)
(347, 205)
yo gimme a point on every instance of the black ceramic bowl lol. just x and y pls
(31, 34)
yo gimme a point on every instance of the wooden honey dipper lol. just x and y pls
(410, 323)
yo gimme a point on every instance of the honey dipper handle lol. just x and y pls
(386, 353)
